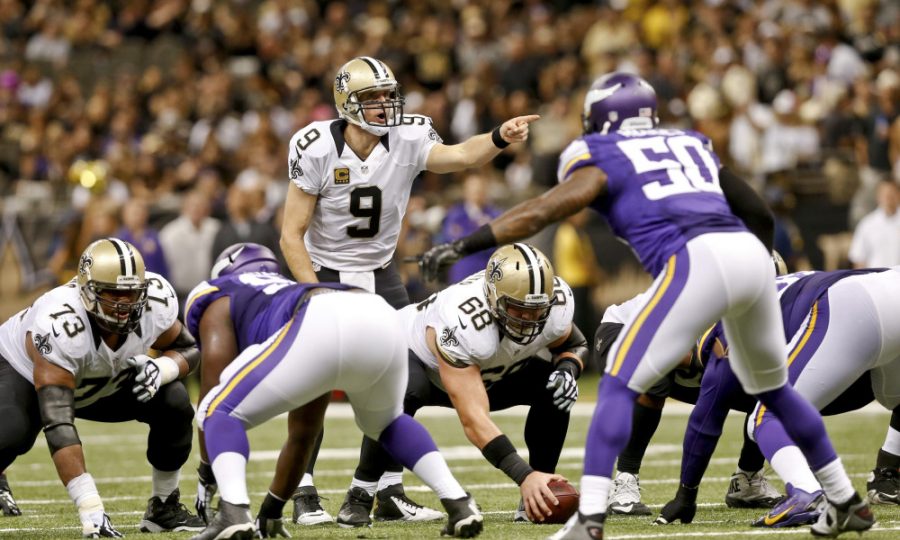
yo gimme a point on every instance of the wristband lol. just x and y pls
(272, 506)
(497, 139)
(501, 453)
(481, 239)
(687, 494)
(570, 365)
(168, 369)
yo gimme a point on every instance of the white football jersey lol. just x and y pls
(467, 334)
(61, 332)
(361, 203)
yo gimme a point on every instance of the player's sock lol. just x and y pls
(230, 469)
(368, 487)
(791, 467)
(165, 482)
(307, 480)
(889, 455)
(835, 482)
(751, 459)
(390, 478)
(605, 438)
(410, 443)
(644, 422)
(798, 420)
(594, 494)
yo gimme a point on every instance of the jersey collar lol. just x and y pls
(337, 132)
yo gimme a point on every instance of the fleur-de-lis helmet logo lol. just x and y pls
(340, 82)
(495, 273)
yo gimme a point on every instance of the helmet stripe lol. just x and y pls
(535, 269)
(122, 250)
(376, 67)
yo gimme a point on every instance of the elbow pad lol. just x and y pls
(186, 346)
(57, 406)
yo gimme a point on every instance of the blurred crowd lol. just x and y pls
(167, 121)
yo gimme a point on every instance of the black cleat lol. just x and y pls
(232, 522)
(169, 516)
(883, 486)
(7, 502)
(394, 505)
(464, 519)
(308, 507)
(356, 509)
(853, 515)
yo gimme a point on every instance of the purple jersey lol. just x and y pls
(662, 188)
(261, 303)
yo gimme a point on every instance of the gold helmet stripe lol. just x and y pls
(126, 257)
(377, 67)
(535, 269)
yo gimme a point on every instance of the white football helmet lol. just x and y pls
(518, 285)
(354, 81)
(112, 284)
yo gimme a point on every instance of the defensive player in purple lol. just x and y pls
(321, 336)
(839, 358)
(687, 218)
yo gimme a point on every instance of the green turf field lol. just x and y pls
(115, 456)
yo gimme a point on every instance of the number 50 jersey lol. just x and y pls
(467, 334)
(361, 203)
(662, 188)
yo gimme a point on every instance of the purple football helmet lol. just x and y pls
(245, 257)
(619, 101)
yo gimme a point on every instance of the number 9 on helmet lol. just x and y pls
(518, 285)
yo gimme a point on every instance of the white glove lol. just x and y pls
(565, 389)
(203, 502)
(152, 373)
(97, 525)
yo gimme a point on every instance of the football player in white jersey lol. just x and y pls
(350, 183)
(499, 338)
(81, 351)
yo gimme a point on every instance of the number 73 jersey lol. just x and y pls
(361, 203)
(467, 334)
(62, 333)
(662, 188)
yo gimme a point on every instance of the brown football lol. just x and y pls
(568, 498)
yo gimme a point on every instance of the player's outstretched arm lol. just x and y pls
(480, 149)
(521, 221)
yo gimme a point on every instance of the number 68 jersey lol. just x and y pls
(467, 334)
(662, 188)
(62, 333)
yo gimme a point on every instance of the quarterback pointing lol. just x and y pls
(499, 338)
(350, 184)
(80, 351)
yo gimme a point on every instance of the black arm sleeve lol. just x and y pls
(749, 206)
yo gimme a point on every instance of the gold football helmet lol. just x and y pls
(354, 85)
(780, 266)
(518, 284)
(112, 284)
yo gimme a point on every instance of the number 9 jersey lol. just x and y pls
(467, 334)
(62, 333)
(662, 188)
(361, 203)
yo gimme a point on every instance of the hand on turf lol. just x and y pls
(534, 491)
(682, 507)
(269, 527)
(565, 389)
(97, 525)
(203, 502)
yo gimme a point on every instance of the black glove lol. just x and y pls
(437, 259)
(269, 523)
(682, 507)
(206, 490)
(100, 528)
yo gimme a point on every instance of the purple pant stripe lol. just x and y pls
(656, 316)
(247, 378)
